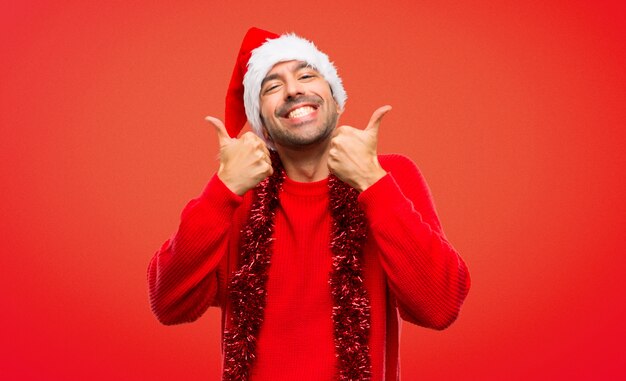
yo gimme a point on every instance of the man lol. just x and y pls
(309, 241)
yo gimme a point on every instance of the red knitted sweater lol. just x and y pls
(409, 267)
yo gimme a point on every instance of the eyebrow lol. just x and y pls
(270, 77)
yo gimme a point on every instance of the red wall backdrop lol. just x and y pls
(514, 110)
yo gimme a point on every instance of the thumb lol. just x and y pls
(377, 116)
(222, 134)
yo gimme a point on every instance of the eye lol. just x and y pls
(270, 87)
(307, 75)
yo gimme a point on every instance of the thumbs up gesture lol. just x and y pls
(244, 162)
(352, 156)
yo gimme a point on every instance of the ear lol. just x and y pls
(264, 131)
(266, 134)
(339, 109)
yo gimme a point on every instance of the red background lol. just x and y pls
(514, 110)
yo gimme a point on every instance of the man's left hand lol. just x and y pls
(352, 156)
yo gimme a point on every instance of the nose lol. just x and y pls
(293, 88)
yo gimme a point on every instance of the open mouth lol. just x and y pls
(300, 112)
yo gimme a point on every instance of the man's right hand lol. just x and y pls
(244, 162)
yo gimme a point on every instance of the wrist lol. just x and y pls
(233, 186)
(371, 179)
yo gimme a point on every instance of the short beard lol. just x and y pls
(294, 140)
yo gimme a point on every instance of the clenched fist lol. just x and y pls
(352, 156)
(244, 162)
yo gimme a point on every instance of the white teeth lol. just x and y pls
(300, 112)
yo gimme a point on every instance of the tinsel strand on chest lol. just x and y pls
(248, 293)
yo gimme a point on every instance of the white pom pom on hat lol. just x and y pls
(259, 52)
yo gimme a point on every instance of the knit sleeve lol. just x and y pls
(426, 275)
(183, 274)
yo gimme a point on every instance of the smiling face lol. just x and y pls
(297, 106)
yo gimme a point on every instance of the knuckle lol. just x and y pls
(346, 129)
(248, 137)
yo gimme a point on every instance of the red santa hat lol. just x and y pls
(259, 52)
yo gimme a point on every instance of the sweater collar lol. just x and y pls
(315, 188)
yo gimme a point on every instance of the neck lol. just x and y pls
(305, 164)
